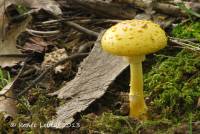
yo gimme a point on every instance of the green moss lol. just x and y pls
(187, 30)
(174, 86)
(35, 109)
(159, 126)
(107, 123)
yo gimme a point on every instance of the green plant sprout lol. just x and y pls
(190, 123)
(187, 30)
(4, 79)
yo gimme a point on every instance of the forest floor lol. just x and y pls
(171, 79)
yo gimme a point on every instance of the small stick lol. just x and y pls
(81, 20)
(185, 43)
(81, 29)
(49, 69)
(42, 32)
(14, 55)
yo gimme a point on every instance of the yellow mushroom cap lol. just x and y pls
(134, 37)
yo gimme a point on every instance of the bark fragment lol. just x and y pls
(95, 75)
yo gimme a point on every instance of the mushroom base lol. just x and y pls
(138, 108)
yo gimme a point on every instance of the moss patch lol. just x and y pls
(34, 111)
(107, 123)
(174, 86)
(187, 30)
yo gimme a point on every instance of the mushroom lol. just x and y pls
(134, 39)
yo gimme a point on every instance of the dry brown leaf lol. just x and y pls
(8, 37)
(4, 4)
(35, 44)
(8, 41)
(8, 105)
(48, 5)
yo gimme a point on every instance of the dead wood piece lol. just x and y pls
(168, 9)
(94, 76)
(105, 8)
(125, 8)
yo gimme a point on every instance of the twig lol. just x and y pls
(75, 26)
(28, 72)
(14, 55)
(81, 29)
(41, 36)
(41, 76)
(185, 43)
(85, 46)
(42, 32)
(81, 20)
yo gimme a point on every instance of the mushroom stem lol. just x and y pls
(138, 107)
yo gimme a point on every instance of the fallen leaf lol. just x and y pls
(8, 41)
(48, 5)
(35, 44)
(8, 105)
(9, 36)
